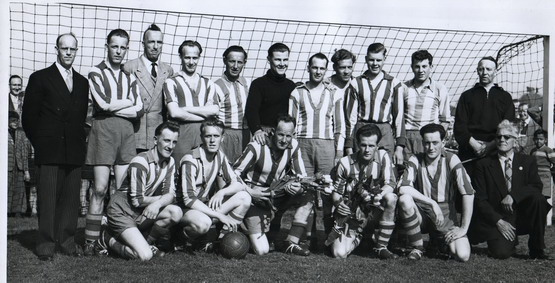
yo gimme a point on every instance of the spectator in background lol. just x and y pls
(18, 166)
(526, 129)
(545, 157)
(16, 94)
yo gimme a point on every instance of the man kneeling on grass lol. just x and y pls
(145, 207)
(427, 197)
(209, 191)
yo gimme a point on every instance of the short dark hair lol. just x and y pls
(278, 47)
(14, 77)
(342, 54)
(117, 32)
(170, 125)
(285, 118)
(489, 58)
(540, 132)
(190, 43)
(422, 55)
(432, 128)
(318, 55)
(64, 34)
(369, 130)
(211, 122)
(152, 27)
(376, 48)
(235, 48)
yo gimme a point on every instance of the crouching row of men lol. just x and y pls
(209, 194)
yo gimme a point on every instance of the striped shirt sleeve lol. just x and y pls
(387, 169)
(294, 105)
(97, 82)
(460, 177)
(409, 176)
(211, 95)
(169, 90)
(398, 113)
(134, 95)
(227, 172)
(341, 175)
(189, 171)
(350, 111)
(297, 161)
(137, 174)
(339, 120)
(170, 178)
(245, 162)
(444, 107)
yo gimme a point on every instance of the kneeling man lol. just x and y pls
(147, 203)
(209, 191)
(427, 196)
(509, 200)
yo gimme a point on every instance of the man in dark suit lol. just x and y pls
(150, 73)
(509, 200)
(54, 112)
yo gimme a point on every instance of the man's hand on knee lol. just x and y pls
(506, 229)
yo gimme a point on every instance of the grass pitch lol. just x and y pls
(23, 265)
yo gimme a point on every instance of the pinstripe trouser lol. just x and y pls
(58, 205)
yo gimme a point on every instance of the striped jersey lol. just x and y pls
(349, 171)
(380, 104)
(450, 175)
(323, 120)
(545, 157)
(198, 182)
(257, 167)
(424, 105)
(176, 89)
(109, 86)
(149, 176)
(231, 98)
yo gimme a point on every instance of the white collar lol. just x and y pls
(63, 71)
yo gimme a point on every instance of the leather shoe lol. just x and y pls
(74, 250)
(541, 255)
(46, 257)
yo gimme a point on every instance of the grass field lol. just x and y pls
(23, 266)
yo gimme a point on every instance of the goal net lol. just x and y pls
(34, 28)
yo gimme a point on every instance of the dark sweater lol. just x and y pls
(478, 114)
(268, 97)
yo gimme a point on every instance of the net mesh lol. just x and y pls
(34, 28)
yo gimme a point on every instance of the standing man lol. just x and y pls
(425, 101)
(479, 111)
(150, 74)
(318, 111)
(262, 167)
(343, 61)
(509, 200)
(111, 142)
(16, 94)
(190, 98)
(54, 112)
(376, 98)
(232, 90)
(526, 129)
(427, 197)
(269, 94)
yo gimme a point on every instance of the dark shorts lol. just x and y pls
(111, 142)
(387, 142)
(122, 216)
(189, 138)
(318, 155)
(234, 142)
(428, 220)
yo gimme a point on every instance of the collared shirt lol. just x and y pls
(232, 98)
(322, 120)
(16, 101)
(149, 176)
(380, 101)
(109, 86)
(424, 105)
(450, 175)
(502, 159)
(350, 170)
(148, 64)
(258, 167)
(199, 184)
(177, 89)
(63, 71)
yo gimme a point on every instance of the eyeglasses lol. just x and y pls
(66, 49)
(506, 137)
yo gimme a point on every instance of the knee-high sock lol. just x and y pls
(156, 232)
(92, 227)
(118, 248)
(412, 229)
(296, 232)
(385, 229)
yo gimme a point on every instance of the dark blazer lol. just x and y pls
(54, 119)
(489, 182)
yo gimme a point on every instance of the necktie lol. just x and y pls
(508, 173)
(69, 81)
(153, 70)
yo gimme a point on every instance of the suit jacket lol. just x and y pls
(20, 103)
(54, 119)
(526, 139)
(18, 151)
(489, 182)
(153, 100)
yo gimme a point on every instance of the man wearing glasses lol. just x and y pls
(509, 200)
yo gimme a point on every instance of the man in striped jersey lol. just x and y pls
(318, 111)
(377, 98)
(343, 61)
(145, 206)
(116, 103)
(427, 197)
(209, 191)
(190, 98)
(232, 90)
(368, 162)
(260, 166)
(425, 101)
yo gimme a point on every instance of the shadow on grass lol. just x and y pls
(27, 238)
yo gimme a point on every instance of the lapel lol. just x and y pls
(496, 174)
(160, 79)
(144, 77)
(59, 84)
(517, 171)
